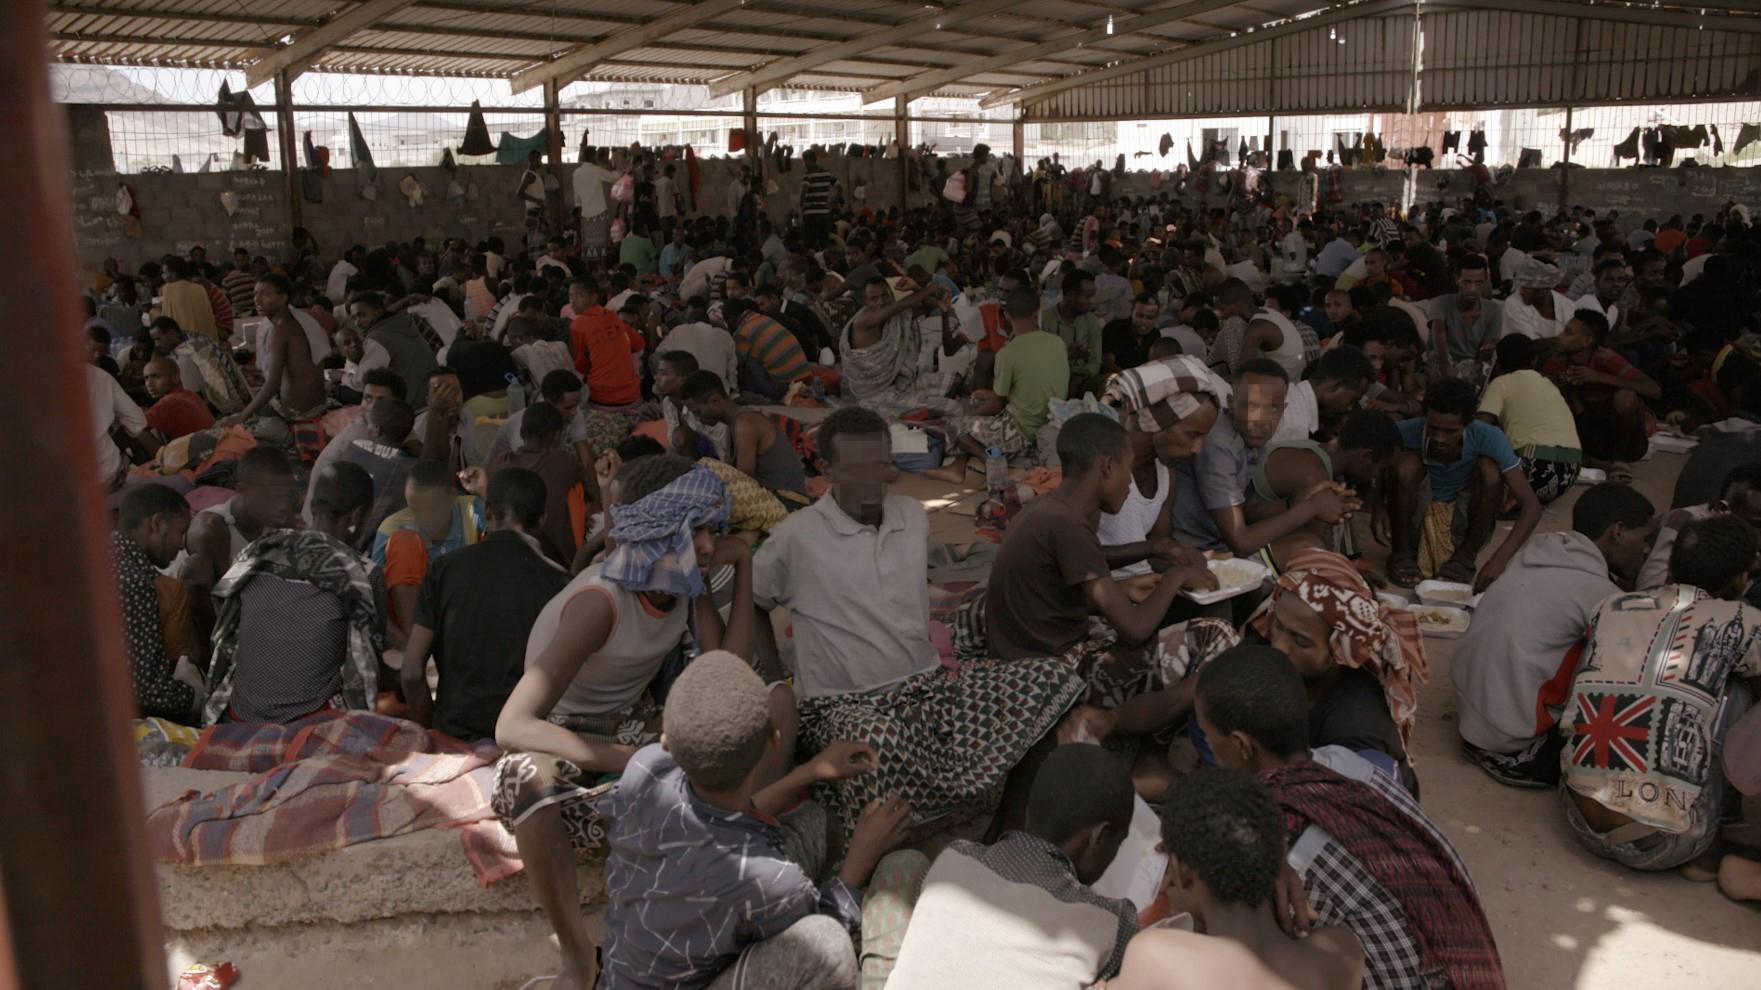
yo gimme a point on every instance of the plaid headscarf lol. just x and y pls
(1364, 633)
(1534, 273)
(653, 535)
(1178, 381)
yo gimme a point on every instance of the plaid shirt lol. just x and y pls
(1344, 893)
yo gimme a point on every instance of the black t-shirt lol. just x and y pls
(1353, 713)
(480, 601)
(1121, 341)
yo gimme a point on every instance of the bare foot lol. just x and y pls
(1740, 878)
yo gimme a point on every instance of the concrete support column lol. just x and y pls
(553, 149)
(290, 150)
(902, 134)
(1018, 138)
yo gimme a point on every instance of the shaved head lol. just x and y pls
(161, 376)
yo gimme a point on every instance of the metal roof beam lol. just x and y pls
(266, 21)
(1203, 48)
(311, 44)
(933, 80)
(578, 62)
(1662, 17)
(780, 70)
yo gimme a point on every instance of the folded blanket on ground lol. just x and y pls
(323, 783)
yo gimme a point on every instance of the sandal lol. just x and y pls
(1403, 569)
(1456, 570)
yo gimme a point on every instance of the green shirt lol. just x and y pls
(1032, 370)
(639, 251)
(930, 256)
(1085, 331)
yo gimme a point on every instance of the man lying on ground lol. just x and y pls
(1513, 668)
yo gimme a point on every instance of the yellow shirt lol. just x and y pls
(1531, 411)
(187, 303)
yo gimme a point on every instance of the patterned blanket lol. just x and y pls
(322, 783)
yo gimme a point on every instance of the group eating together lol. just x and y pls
(633, 513)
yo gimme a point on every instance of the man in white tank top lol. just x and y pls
(266, 498)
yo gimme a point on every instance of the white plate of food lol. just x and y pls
(1234, 577)
(1591, 476)
(1446, 593)
(1441, 621)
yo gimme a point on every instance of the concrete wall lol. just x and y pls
(231, 209)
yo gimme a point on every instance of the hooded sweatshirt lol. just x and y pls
(1513, 668)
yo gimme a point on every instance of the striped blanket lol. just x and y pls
(322, 783)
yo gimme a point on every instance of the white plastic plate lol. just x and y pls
(1235, 576)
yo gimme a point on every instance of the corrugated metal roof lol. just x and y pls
(1500, 56)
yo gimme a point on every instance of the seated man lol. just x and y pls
(1644, 728)
(264, 499)
(1031, 370)
(1604, 391)
(602, 344)
(176, 411)
(1369, 858)
(687, 436)
(435, 520)
(850, 570)
(205, 367)
(1532, 413)
(710, 345)
(542, 452)
(702, 889)
(380, 383)
(301, 615)
(760, 449)
(475, 608)
(1224, 838)
(1292, 469)
(1740, 496)
(881, 351)
(1451, 482)
(1315, 405)
(391, 340)
(1125, 342)
(1211, 489)
(293, 386)
(1051, 575)
(561, 388)
(382, 455)
(1512, 667)
(582, 708)
(1020, 912)
(150, 529)
(535, 355)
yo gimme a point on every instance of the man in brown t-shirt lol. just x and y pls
(1051, 573)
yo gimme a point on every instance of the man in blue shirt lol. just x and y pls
(672, 256)
(1452, 480)
(1339, 253)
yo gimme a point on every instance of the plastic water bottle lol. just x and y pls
(1003, 500)
(516, 394)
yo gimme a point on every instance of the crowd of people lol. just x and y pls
(583, 499)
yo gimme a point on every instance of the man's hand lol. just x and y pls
(228, 422)
(1333, 504)
(605, 469)
(1489, 573)
(730, 551)
(880, 829)
(1577, 374)
(1086, 724)
(475, 481)
(444, 396)
(1175, 554)
(1295, 914)
(1193, 577)
(842, 761)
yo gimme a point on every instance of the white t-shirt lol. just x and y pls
(1520, 317)
(1509, 262)
(1302, 414)
(1590, 303)
(1692, 267)
(336, 287)
(110, 406)
(589, 181)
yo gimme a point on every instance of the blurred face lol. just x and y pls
(372, 394)
(1631, 545)
(1377, 352)
(877, 296)
(162, 538)
(1258, 405)
(425, 265)
(166, 340)
(1115, 480)
(1336, 397)
(568, 404)
(1228, 756)
(1375, 265)
(1185, 439)
(269, 498)
(1613, 282)
(1336, 307)
(351, 344)
(1143, 317)
(1650, 274)
(708, 410)
(160, 379)
(1443, 433)
(1300, 633)
(268, 301)
(666, 379)
(1576, 338)
(860, 474)
(1471, 283)
(580, 298)
(432, 508)
(96, 350)
(703, 542)
(1083, 299)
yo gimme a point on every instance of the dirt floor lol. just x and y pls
(1563, 918)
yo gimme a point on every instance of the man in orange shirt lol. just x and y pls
(602, 344)
(177, 412)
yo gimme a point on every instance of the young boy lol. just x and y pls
(701, 892)
(1031, 370)
(1534, 415)
(760, 449)
(1225, 844)
(1603, 390)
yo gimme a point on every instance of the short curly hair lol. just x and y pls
(644, 476)
(718, 721)
(1224, 826)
